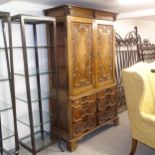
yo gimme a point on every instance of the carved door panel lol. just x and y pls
(105, 54)
(80, 54)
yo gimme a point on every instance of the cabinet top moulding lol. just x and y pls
(4, 14)
(72, 10)
(29, 19)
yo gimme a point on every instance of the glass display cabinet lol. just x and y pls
(8, 127)
(32, 80)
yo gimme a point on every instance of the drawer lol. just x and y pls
(111, 90)
(83, 108)
(109, 113)
(83, 126)
(105, 99)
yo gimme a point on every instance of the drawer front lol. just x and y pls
(106, 105)
(83, 126)
(109, 113)
(83, 108)
(106, 99)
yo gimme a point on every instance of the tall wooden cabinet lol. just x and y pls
(87, 89)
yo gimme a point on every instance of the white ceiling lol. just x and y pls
(111, 5)
(125, 11)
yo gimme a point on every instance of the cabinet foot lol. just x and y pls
(116, 121)
(72, 146)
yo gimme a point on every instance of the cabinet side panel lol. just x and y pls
(62, 79)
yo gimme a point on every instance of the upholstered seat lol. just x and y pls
(139, 86)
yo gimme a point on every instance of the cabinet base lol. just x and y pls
(72, 145)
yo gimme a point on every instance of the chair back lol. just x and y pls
(138, 89)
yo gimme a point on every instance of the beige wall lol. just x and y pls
(146, 28)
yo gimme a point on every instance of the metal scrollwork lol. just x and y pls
(127, 54)
(147, 51)
(129, 51)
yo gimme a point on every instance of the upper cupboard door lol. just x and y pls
(105, 74)
(80, 54)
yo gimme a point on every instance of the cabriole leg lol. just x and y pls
(134, 146)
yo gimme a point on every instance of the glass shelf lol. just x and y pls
(34, 72)
(9, 152)
(40, 142)
(4, 78)
(20, 47)
(34, 96)
(2, 48)
(29, 47)
(4, 106)
(24, 119)
(6, 133)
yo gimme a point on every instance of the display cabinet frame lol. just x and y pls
(5, 132)
(34, 146)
